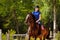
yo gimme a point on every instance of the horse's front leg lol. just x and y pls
(28, 32)
(35, 37)
(29, 38)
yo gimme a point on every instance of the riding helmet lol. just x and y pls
(36, 6)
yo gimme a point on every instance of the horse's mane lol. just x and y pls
(33, 20)
(33, 17)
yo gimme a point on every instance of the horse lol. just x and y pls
(35, 29)
(44, 33)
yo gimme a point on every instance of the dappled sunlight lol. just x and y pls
(31, 38)
(38, 39)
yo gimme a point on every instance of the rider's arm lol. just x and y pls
(39, 18)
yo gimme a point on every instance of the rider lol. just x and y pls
(37, 14)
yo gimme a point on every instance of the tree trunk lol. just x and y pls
(54, 20)
(16, 23)
(0, 34)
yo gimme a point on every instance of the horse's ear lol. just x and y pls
(30, 13)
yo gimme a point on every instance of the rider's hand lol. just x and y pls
(37, 21)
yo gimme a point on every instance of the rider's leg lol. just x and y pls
(39, 32)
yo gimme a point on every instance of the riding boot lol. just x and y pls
(39, 31)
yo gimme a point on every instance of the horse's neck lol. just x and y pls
(33, 25)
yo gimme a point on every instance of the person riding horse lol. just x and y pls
(33, 20)
(37, 15)
(34, 29)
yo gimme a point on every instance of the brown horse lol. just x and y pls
(35, 30)
(44, 33)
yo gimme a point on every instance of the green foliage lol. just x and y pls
(12, 32)
(22, 7)
(3, 37)
(7, 19)
(58, 13)
(58, 36)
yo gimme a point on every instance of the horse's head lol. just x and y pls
(30, 18)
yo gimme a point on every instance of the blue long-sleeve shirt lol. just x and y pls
(36, 14)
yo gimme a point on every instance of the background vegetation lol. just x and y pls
(13, 13)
